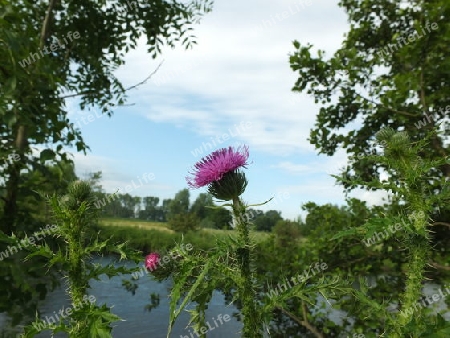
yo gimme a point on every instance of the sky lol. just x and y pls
(232, 88)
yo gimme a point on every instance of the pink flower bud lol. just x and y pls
(152, 260)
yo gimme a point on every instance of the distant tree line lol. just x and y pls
(178, 211)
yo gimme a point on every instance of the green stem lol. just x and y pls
(419, 247)
(77, 283)
(252, 322)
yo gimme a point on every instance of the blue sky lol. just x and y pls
(235, 81)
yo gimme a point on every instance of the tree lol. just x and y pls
(55, 50)
(282, 257)
(59, 49)
(94, 181)
(180, 204)
(199, 207)
(150, 202)
(150, 211)
(392, 70)
(267, 221)
(287, 232)
(112, 205)
(137, 206)
(165, 208)
(50, 179)
(184, 222)
(221, 218)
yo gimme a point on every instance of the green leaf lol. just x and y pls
(174, 313)
(346, 233)
(47, 154)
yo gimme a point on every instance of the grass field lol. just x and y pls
(140, 224)
(147, 235)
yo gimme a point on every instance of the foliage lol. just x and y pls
(391, 71)
(221, 218)
(196, 275)
(281, 259)
(211, 215)
(402, 157)
(19, 299)
(36, 81)
(151, 209)
(179, 205)
(74, 213)
(267, 221)
(184, 222)
(201, 204)
(83, 68)
(286, 232)
(118, 205)
(355, 242)
(157, 236)
(230, 267)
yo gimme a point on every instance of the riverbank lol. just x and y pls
(149, 236)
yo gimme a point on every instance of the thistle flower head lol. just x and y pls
(152, 260)
(81, 190)
(231, 185)
(219, 171)
(212, 167)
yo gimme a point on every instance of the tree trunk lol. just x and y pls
(9, 218)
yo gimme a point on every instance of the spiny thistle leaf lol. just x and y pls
(174, 313)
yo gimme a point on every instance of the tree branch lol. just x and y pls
(146, 79)
(388, 108)
(46, 25)
(422, 92)
(77, 94)
(304, 322)
(126, 89)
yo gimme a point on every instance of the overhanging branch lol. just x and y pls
(126, 89)
(303, 322)
(46, 25)
(387, 108)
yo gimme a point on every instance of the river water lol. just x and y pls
(137, 322)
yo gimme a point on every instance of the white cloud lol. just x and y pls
(85, 164)
(239, 72)
(378, 197)
(114, 179)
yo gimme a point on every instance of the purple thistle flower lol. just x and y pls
(152, 260)
(214, 166)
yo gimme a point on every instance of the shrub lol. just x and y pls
(184, 222)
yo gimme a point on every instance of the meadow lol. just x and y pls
(147, 236)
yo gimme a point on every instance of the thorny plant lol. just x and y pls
(409, 183)
(229, 267)
(74, 213)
